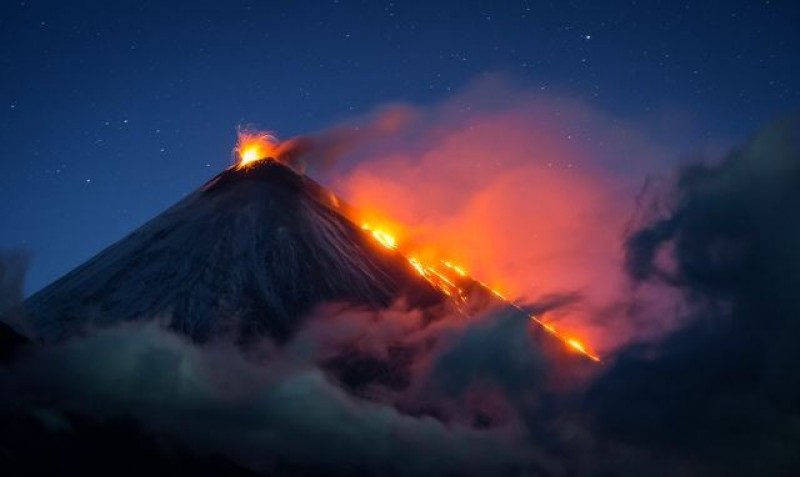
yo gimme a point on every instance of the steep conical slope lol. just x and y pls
(248, 253)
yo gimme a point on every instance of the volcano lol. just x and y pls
(247, 254)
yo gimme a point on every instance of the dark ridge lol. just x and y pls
(357, 370)
(11, 342)
(88, 447)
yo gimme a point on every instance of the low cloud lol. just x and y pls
(719, 396)
(265, 409)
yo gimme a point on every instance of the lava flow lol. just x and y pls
(452, 280)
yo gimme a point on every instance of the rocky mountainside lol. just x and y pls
(249, 253)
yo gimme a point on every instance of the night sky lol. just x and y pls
(111, 111)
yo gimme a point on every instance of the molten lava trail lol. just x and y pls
(571, 342)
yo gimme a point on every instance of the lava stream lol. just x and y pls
(445, 276)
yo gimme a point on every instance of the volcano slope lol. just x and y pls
(247, 254)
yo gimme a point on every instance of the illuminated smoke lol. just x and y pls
(531, 194)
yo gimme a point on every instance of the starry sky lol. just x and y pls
(112, 111)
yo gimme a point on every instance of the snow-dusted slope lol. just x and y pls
(248, 253)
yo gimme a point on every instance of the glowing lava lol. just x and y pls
(385, 238)
(452, 279)
(255, 146)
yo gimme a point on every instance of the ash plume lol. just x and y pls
(323, 149)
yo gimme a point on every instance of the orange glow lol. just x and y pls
(385, 238)
(550, 328)
(455, 268)
(417, 266)
(255, 146)
(509, 199)
(572, 342)
(437, 274)
(576, 344)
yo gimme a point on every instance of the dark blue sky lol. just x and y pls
(108, 114)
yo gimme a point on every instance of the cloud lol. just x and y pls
(267, 415)
(720, 396)
(294, 408)
(475, 401)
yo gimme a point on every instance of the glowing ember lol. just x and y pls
(455, 268)
(385, 238)
(576, 344)
(418, 266)
(439, 275)
(255, 146)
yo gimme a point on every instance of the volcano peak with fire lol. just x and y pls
(254, 146)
